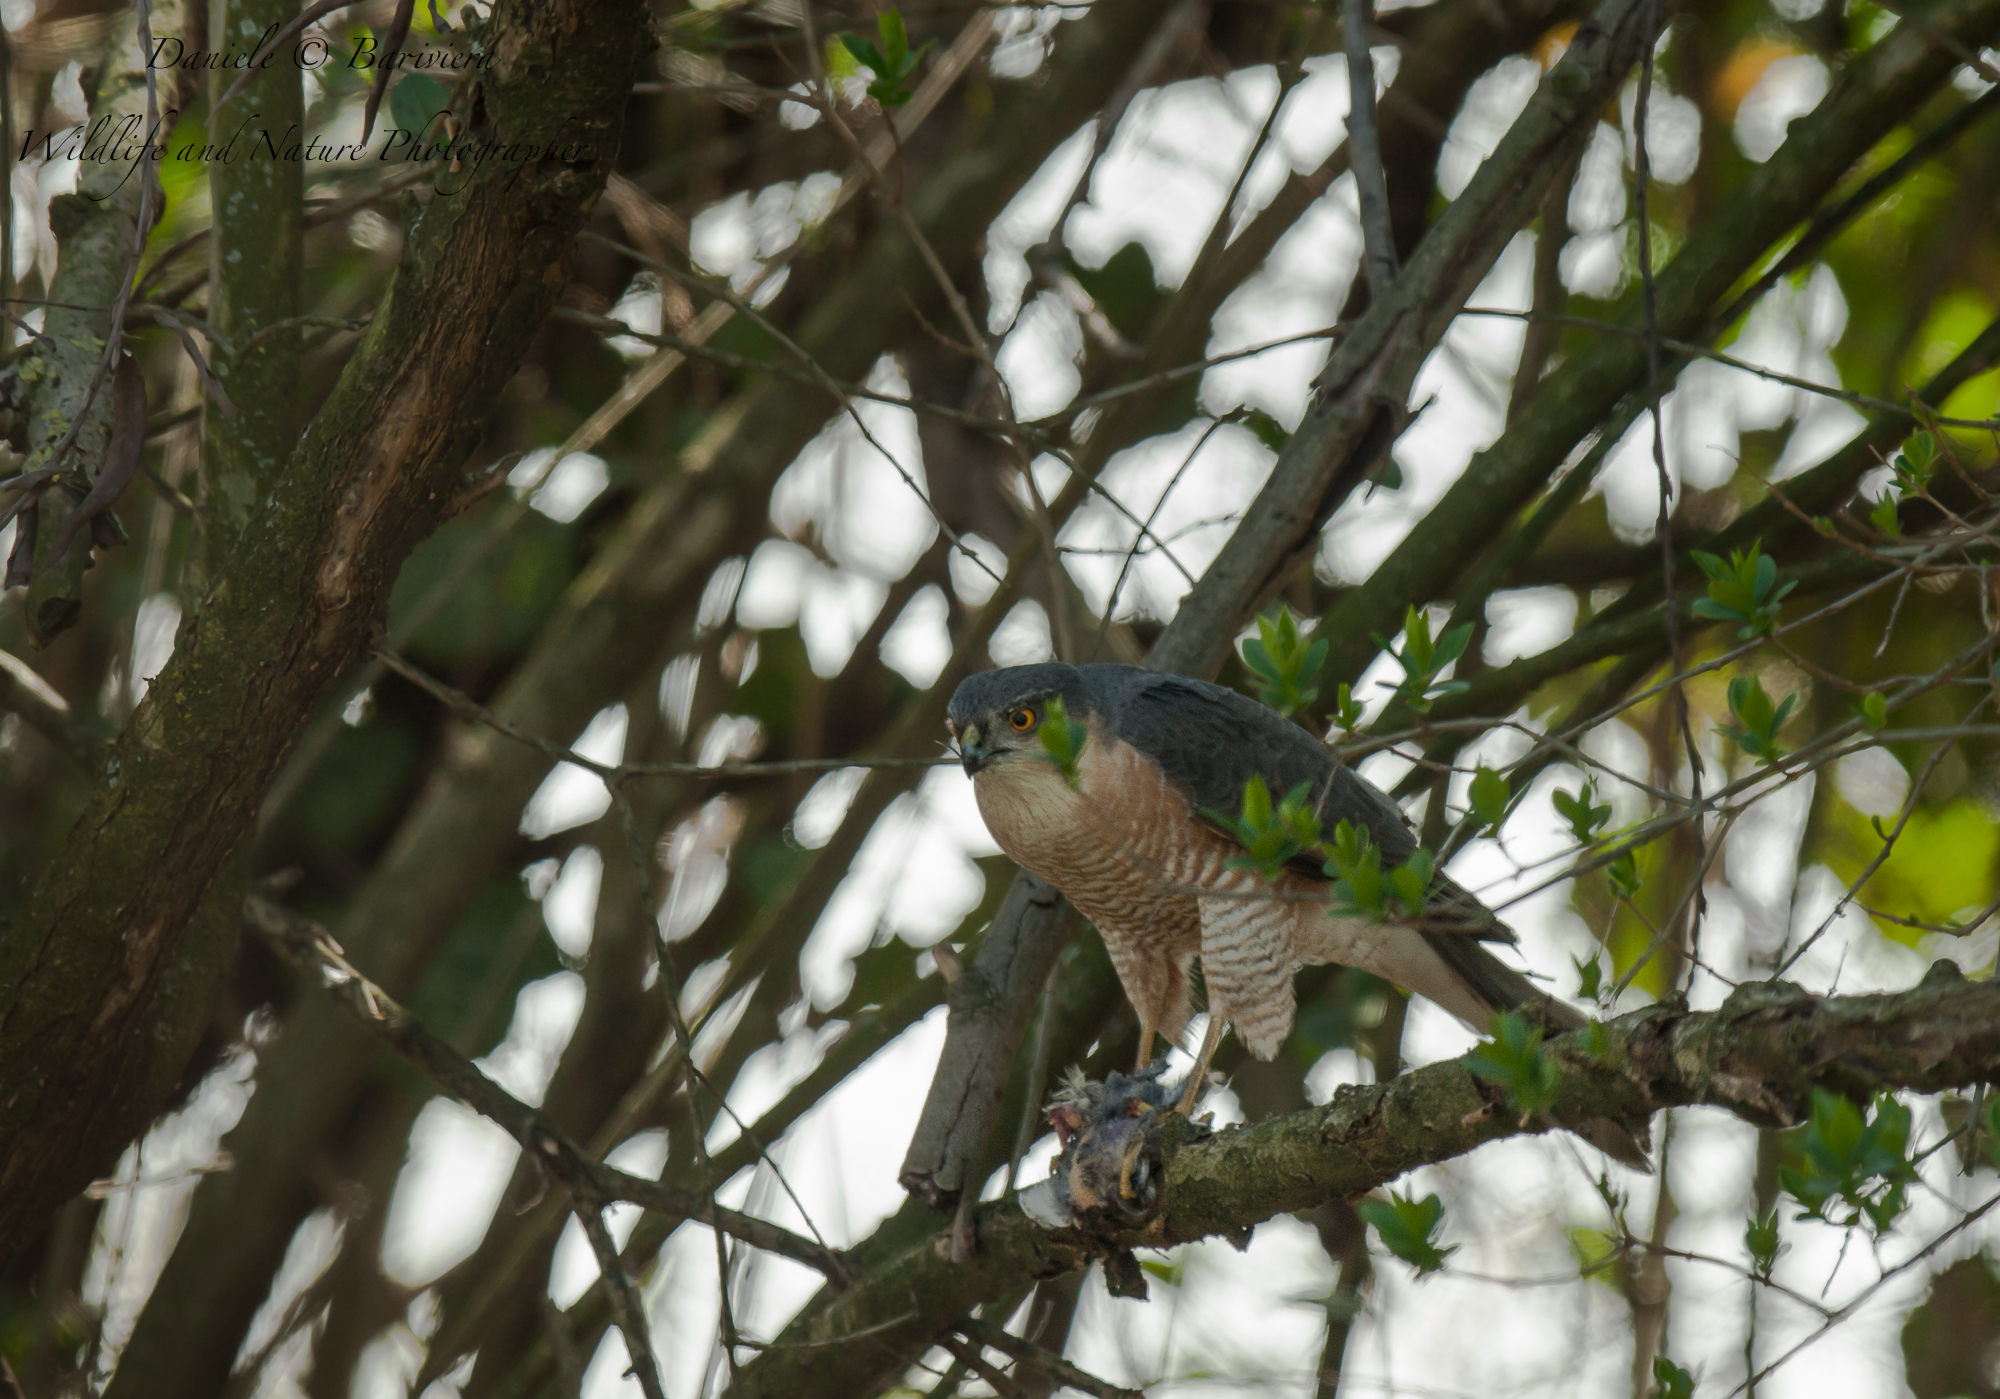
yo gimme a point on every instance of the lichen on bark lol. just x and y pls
(54, 374)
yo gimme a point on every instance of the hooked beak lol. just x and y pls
(970, 753)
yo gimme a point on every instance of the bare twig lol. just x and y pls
(307, 944)
(1364, 147)
(626, 1304)
(1650, 298)
(969, 1356)
(1026, 1352)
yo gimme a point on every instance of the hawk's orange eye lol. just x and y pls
(1022, 720)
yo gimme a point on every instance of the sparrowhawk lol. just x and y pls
(1126, 839)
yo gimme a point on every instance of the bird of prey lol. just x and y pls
(1130, 837)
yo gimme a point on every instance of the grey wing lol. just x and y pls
(1210, 740)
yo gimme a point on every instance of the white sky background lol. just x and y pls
(1236, 1317)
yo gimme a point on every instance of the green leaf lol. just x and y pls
(865, 53)
(1670, 1381)
(1346, 712)
(1589, 976)
(1256, 803)
(1583, 812)
(1883, 517)
(1915, 463)
(1757, 719)
(1623, 873)
(1271, 836)
(1408, 1229)
(1745, 589)
(1282, 657)
(1849, 1169)
(1874, 711)
(1354, 863)
(1597, 1042)
(1490, 795)
(1267, 429)
(415, 101)
(895, 41)
(1422, 659)
(1063, 740)
(892, 63)
(1452, 644)
(1514, 1058)
(1760, 1237)
(1411, 882)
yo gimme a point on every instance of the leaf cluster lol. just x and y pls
(892, 61)
(1760, 1238)
(1273, 835)
(1745, 590)
(1670, 1381)
(1912, 470)
(1587, 817)
(1423, 659)
(1585, 814)
(1916, 464)
(1515, 1059)
(1354, 863)
(1286, 661)
(1408, 1228)
(1849, 1168)
(1757, 719)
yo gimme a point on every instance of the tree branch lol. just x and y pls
(1364, 147)
(25, 693)
(1026, 1352)
(990, 1002)
(1869, 99)
(1358, 399)
(306, 944)
(1759, 1056)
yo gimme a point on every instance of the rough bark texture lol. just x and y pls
(85, 967)
(990, 1003)
(254, 255)
(1760, 1056)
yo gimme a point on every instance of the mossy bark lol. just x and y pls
(254, 264)
(380, 465)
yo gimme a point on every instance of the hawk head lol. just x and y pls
(996, 716)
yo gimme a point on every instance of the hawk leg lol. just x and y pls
(1191, 1090)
